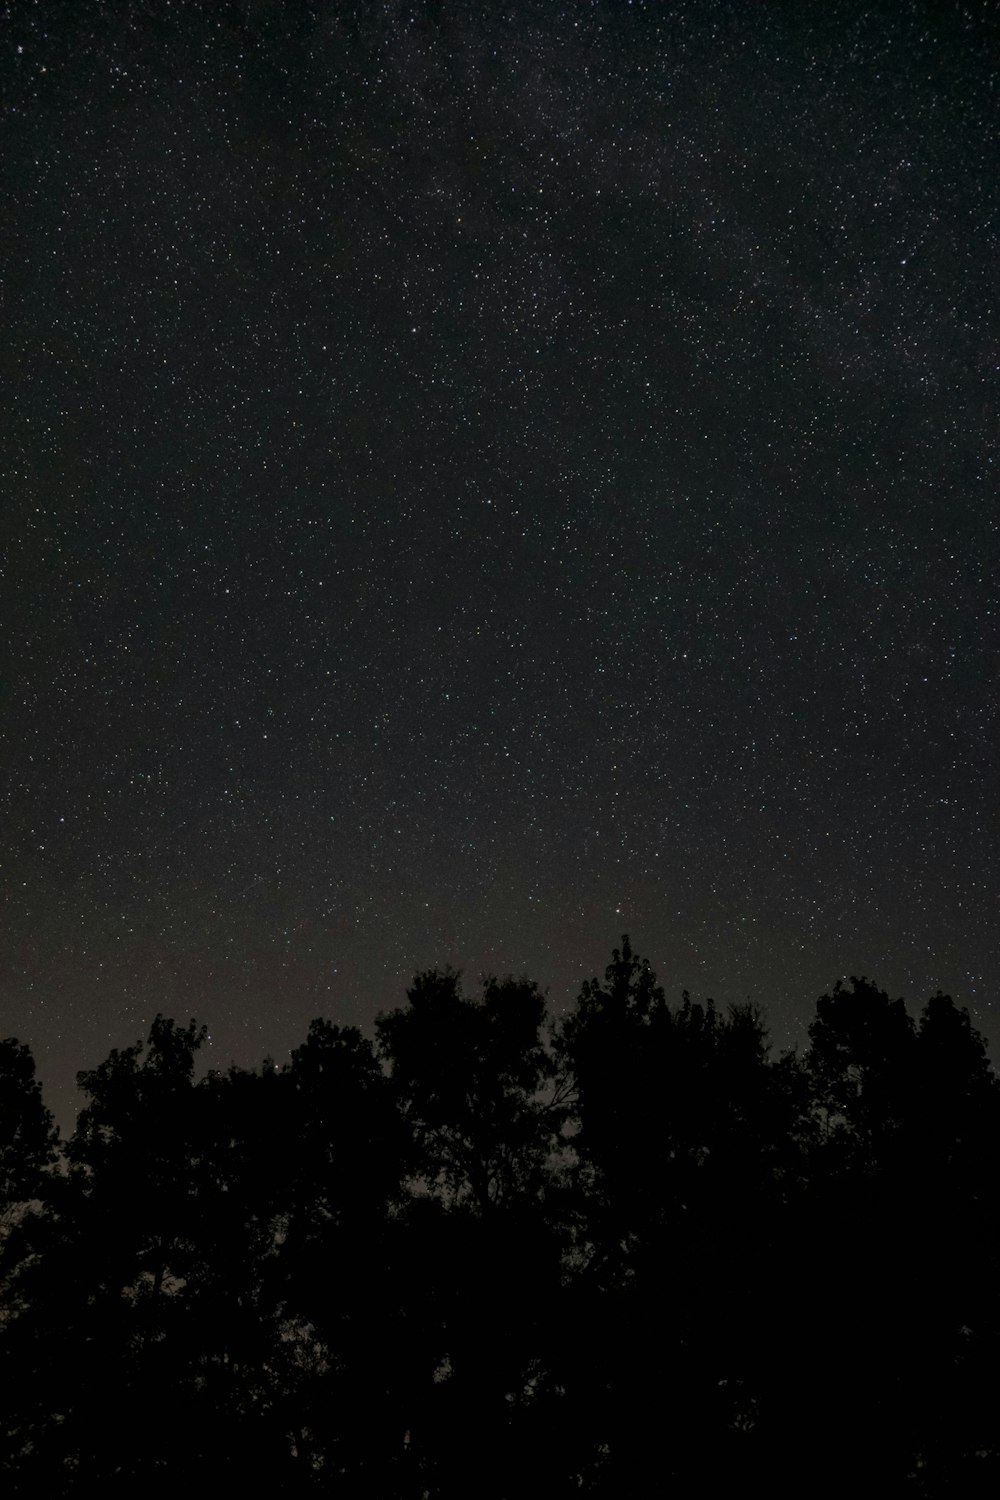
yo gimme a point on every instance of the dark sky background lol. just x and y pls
(478, 480)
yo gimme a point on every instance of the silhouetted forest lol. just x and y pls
(496, 1253)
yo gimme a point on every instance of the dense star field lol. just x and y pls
(478, 480)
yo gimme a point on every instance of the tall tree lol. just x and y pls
(28, 1137)
(98, 1348)
(28, 1147)
(475, 1084)
(685, 1139)
(471, 1076)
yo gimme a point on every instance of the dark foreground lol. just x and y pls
(495, 1255)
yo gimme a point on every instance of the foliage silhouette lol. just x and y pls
(28, 1137)
(499, 1252)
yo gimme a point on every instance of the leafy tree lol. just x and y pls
(96, 1348)
(684, 1136)
(474, 1081)
(28, 1137)
(673, 1107)
(471, 1077)
(345, 1151)
(861, 1057)
(28, 1147)
(956, 1092)
(132, 1150)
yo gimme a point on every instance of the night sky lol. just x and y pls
(479, 480)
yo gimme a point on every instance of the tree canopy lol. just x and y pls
(489, 1250)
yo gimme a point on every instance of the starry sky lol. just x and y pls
(478, 480)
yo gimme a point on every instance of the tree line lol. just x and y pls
(495, 1253)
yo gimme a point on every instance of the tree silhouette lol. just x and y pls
(28, 1145)
(345, 1154)
(474, 1083)
(127, 1226)
(685, 1137)
(496, 1252)
(28, 1137)
(469, 1076)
